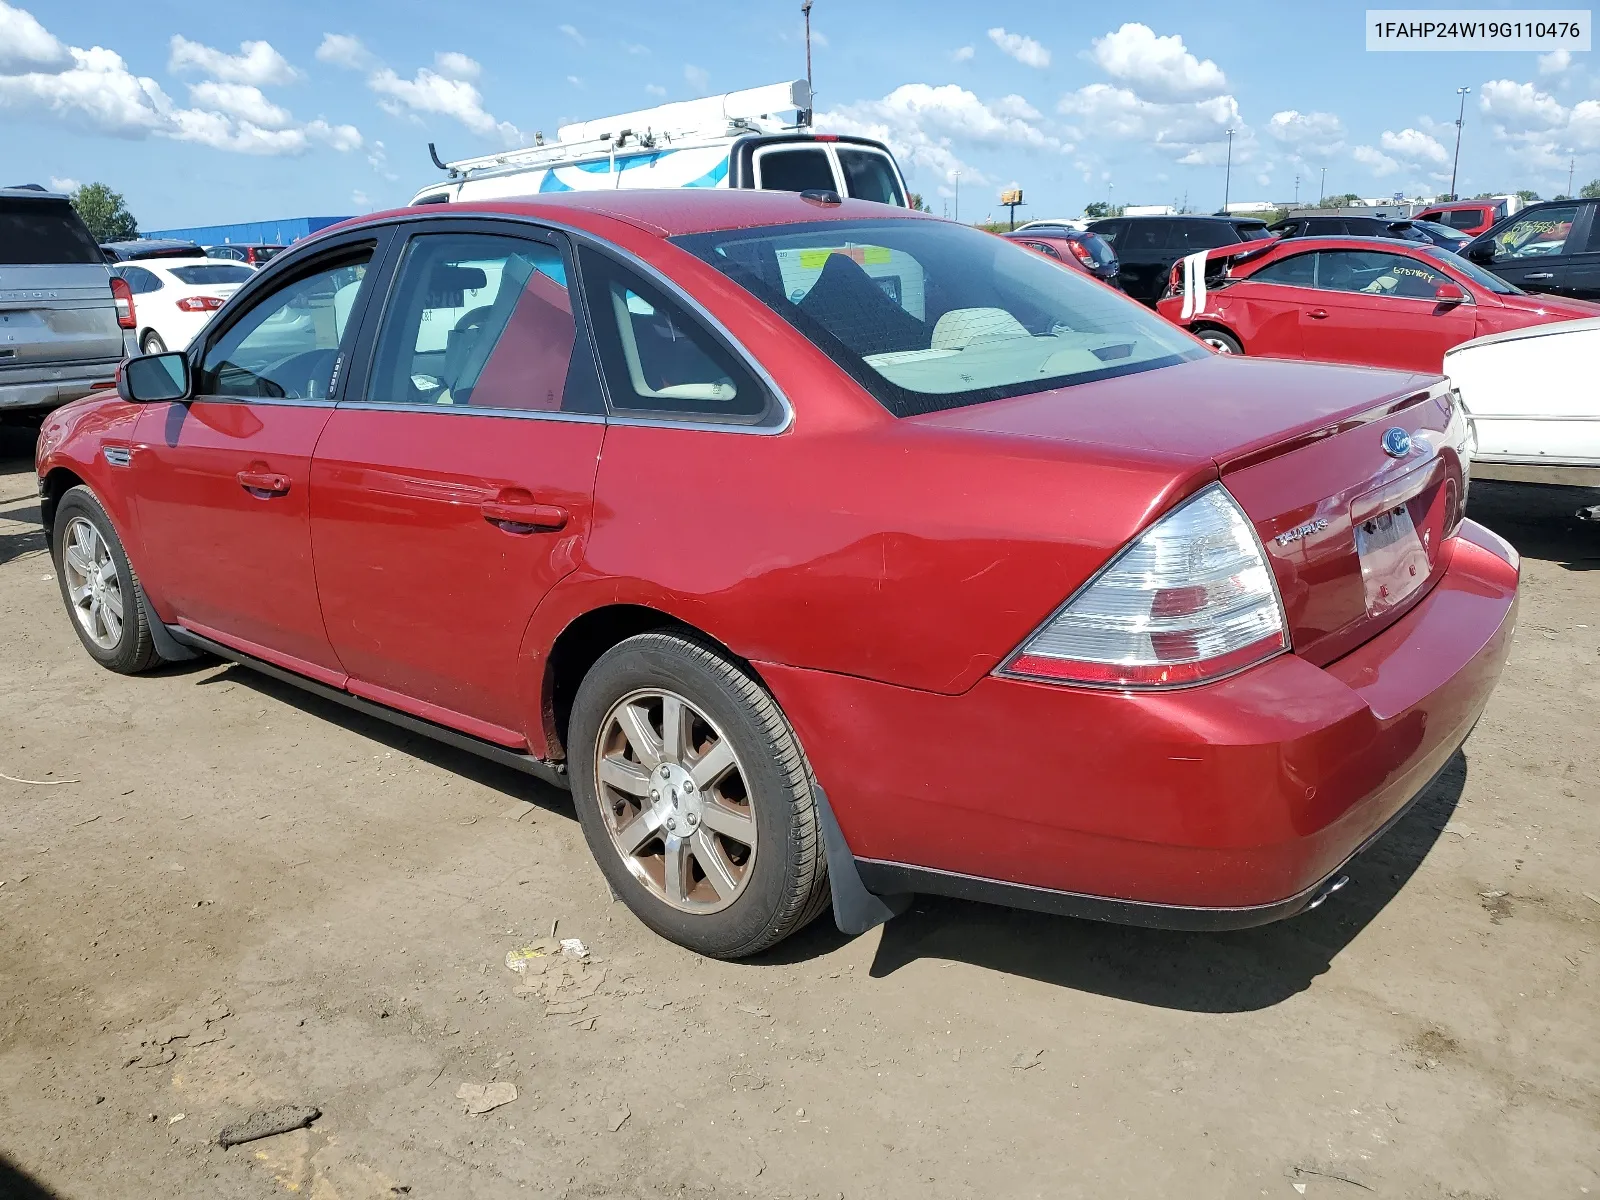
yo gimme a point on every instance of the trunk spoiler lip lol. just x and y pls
(1249, 456)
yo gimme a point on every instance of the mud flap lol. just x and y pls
(855, 910)
(167, 646)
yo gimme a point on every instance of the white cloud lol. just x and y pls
(257, 63)
(1380, 163)
(697, 77)
(1555, 62)
(64, 184)
(378, 159)
(922, 124)
(1158, 68)
(342, 138)
(1307, 136)
(1264, 180)
(1020, 47)
(572, 32)
(24, 43)
(965, 54)
(818, 38)
(430, 92)
(1583, 125)
(655, 89)
(574, 81)
(1414, 147)
(242, 101)
(1520, 107)
(344, 50)
(452, 64)
(360, 199)
(1195, 133)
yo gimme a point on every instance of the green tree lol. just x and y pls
(1527, 197)
(1342, 200)
(1097, 209)
(104, 212)
(1590, 190)
(917, 203)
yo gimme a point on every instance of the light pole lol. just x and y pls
(1324, 194)
(1227, 179)
(1460, 116)
(805, 10)
(957, 176)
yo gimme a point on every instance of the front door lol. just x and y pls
(1532, 251)
(1581, 278)
(222, 481)
(1376, 309)
(452, 488)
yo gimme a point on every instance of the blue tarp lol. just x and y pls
(273, 233)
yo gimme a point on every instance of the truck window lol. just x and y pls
(798, 170)
(868, 176)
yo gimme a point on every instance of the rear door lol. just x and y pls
(1376, 309)
(1145, 252)
(222, 482)
(452, 488)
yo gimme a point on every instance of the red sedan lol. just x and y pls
(825, 551)
(1364, 301)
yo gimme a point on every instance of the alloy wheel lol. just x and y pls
(674, 798)
(1216, 343)
(93, 585)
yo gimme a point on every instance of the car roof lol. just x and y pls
(668, 212)
(1302, 245)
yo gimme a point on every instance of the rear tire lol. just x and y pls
(152, 343)
(1219, 340)
(714, 844)
(99, 587)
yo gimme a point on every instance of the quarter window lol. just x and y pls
(1538, 235)
(659, 359)
(486, 321)
(287, 343)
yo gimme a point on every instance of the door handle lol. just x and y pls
(1318, 314)
(524, 516)
(1540, 275)
(264, 482)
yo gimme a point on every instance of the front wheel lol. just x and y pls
(99, 586)
(695, 798)
(1220, 341)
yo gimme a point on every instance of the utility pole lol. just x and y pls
(1324, 194)
(1572, 165)
(957, 175)
(1297, 190)
(1460, 117)
(1227, 180)
(805, 9)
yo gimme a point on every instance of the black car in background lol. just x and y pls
(1553, 246)
(1377, 227)
(1146, 247)
(149, 248)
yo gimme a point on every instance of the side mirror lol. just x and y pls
(152, 378)
(1449, 293)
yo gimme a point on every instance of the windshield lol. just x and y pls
(929, 315)
(1484, 279)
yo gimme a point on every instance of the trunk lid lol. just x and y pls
(60, 313)
(1352, 517)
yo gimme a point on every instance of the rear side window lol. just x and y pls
(220, 273)
(799, 170)
(1252, 233)
(659, 359)
(1203, 235)
(1145, 235)
(140, 282)
(868, 176)
(40, 232)
(1110, 231)
(483, 321)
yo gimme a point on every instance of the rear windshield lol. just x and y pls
(930, 315)
(39, 232)
(1254, 233)
(218, 273)
(1099, 249)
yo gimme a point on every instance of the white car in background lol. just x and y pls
(1533, 396)
(173, 298)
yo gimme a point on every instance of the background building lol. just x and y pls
(271, 233)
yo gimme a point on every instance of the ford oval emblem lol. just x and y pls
(1396, 442)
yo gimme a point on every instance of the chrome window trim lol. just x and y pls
(633, 263)
(467, 410)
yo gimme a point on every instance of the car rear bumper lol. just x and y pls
(1510, 469)
(1224, 805)
(47, 386)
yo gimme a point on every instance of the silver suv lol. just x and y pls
(60, 332)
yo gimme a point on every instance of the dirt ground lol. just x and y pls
(230, 896)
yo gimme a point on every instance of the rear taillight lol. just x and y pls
(1082, 255)
(200, 304)
(1191, 599)
(123, 295)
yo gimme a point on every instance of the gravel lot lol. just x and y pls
(247, 897)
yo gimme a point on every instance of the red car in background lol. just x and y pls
(822, 549)
(1362, 301)
(1089, 252)
(1471, 217)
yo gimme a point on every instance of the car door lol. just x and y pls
(1580, 278)
(222, 480)
(1264, 308)
(453, 485)
(1146, 254)
(1530, 251)
(1378, 309)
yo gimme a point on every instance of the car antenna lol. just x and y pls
(434, 154)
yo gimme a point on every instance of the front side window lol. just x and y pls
(929, 315)
(1377, 274)
(659, 359)
(1298, 270)
(486, 321)
(1537, 235)
(868, 175)
(802, 170)
(285, 345)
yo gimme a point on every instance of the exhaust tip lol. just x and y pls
(1327, 889)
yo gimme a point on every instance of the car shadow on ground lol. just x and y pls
(17, 1184)
(1238, 971)
(1541, 522)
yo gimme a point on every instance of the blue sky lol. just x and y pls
(202, 112)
